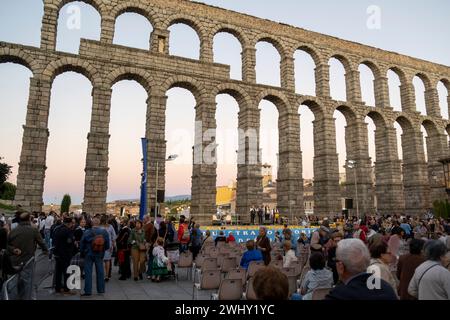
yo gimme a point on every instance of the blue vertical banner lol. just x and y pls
(143, 202)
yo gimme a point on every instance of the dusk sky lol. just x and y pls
(415, 28)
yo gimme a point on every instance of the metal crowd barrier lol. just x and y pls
(20, 285)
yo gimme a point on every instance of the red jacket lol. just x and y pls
(181, 229)
(231, 238)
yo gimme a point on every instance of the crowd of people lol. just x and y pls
(409, 256)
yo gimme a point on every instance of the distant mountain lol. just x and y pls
(178, 198)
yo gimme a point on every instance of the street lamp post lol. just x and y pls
(352, 165)
(170, 158)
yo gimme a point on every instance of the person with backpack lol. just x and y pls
(184, 235)
(93, 244)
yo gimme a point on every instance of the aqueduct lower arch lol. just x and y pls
(104, 63)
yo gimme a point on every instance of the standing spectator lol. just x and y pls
(196, 240)
(208, 238)
(263, 244)
(123, 250)
(47, 227)
(184, 235)
(252, 254)
(22, 247)
(407, 265)
(431, 281)
(138, 250)
(406, 227)
(252, 215)
(64, 248)
(352, 260)
(112, 243)
(3, 218)
(260, 215)
(317, 277)
(150, 237)
(171, 231)
(93, 245)
(160, 261)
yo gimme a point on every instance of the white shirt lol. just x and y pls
(288, 258)
(49, 222)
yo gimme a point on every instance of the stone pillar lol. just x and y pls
(437, 149)
(356, 139)
(322, 75)
(381, 87)
(206, 49)
(432, 103)
(156, 151)
(288, 73)
(290, 180)
(31, 173)
(327, 197)
(203, 203)
(49, 26)
(249, 64)
(353, 86)
(407, 95)
(96, 180)
(249, 176)
(388, 173)
(107, 31)
(415, 175)
(159, 41)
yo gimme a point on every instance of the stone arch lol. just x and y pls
(430, 127)
(273, 41)
(277, 98)
(142, 77)
(235, 91)
(342, 59)
(313, 105)
(348, 112)
(446, 83)
(317, 58)
(134, 7)
(181, 18)
(239, 35)
(400, 73)
(425, 79)
(185, 82)
(18, 57)
(372, 66)
(98, 5)
(58, 67)
(378, 119)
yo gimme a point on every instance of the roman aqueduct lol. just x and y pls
(405, 186)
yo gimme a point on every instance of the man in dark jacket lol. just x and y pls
(352, 260)
(64, 248)
(21, 248)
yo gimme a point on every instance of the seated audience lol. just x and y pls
(250, 255)
(271, 284)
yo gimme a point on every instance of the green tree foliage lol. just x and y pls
(5, 171)
(65, 203)
(7, 191)
(441, 209)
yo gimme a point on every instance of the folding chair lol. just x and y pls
(298, 266)
(293, 285)
(276, 264)
(208, 264)
(214, 252)
(320, 293)
(289, 272)
(240, 274)
(209, 280)
(185, 262)
(228, 264)
(250, 292)
(253, 267)
(220, 259)
(230, 289)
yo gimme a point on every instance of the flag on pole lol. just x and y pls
(143, 202)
